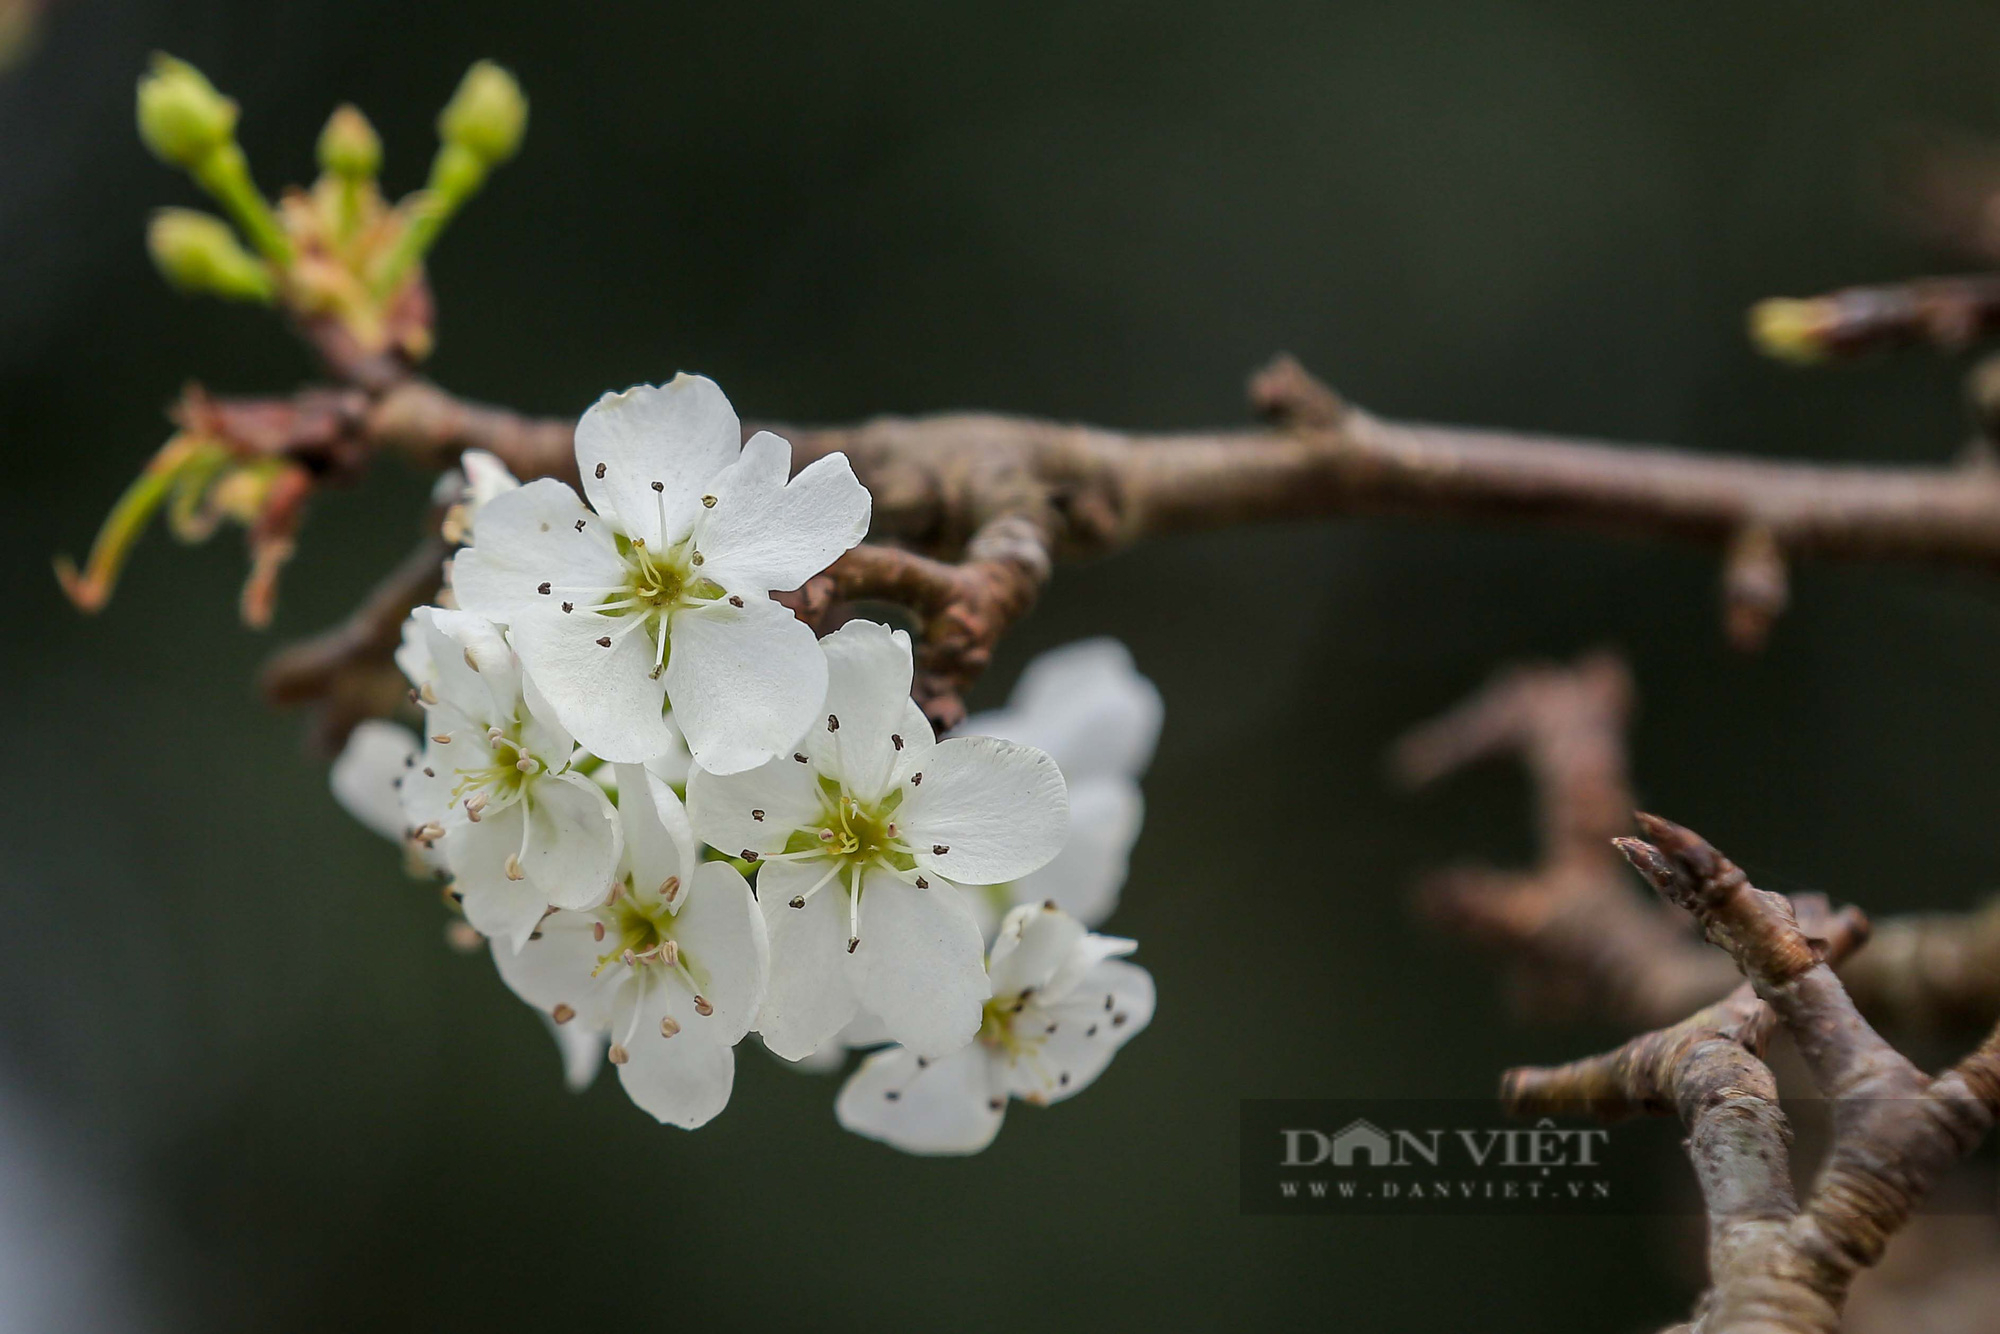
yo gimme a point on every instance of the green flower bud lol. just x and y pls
(181, 116)
(487, 114)
(349, 147)
(197, 252)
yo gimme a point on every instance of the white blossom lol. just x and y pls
(864, 833)
(660, 589)
(519, 829)
(1098, 718)
(1091, 710)
(1062, 1006)
(671, 969)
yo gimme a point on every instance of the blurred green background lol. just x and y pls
(243, 1085)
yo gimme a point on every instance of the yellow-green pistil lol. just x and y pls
(850, 836)
(657, 584)
(638, 929)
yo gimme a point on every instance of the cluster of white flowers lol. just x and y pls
(623, 729)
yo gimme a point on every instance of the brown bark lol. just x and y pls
(1777, 1265)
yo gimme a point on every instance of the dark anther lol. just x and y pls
(542, 588)
(757, 816)
(832, 723)
(569, 606)
(600, 472)
(735, 601)
(895, 741)
(579, 525)
(659, 486)
(604, 641)
(940, 849)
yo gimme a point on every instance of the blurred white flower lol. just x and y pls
(660, 590)
(1062, 1006)
(519, 829)
(865, 833)
(672, 968)
(1088, 707)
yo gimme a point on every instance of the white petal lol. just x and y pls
(683, 1080)
(745, 681)
(1086, 705)
(1031, 946)
(680, 435)
(582, 1051)
(365, 778)
(530, 537)
(554, 969)
(485, 477)
(607, 697)
(725, 808)
(996, 808)
(826, 1060)
(1052, 1065)
(868, 669)
(505, 909)
(413, 654)
(809, 998)
(863, 1031)
(722, 936)
(574, 840)
(1092, 950)
(475, 663)
(673, 763)
(762, 534)
(542, 731)
(1084, 878)
(944, 1106)
(658, 841)
(426, 789)
(918, 966)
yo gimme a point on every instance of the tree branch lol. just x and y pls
(349, 672)
(1946, 313)
(1577, 939)
(1001, 497)
(1775, 1265)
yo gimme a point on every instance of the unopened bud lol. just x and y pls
(1790, 330)
(487, 114)
(349, 147)
(182, 117)
(197, 252)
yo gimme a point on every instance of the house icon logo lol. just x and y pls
(1362, 1142)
